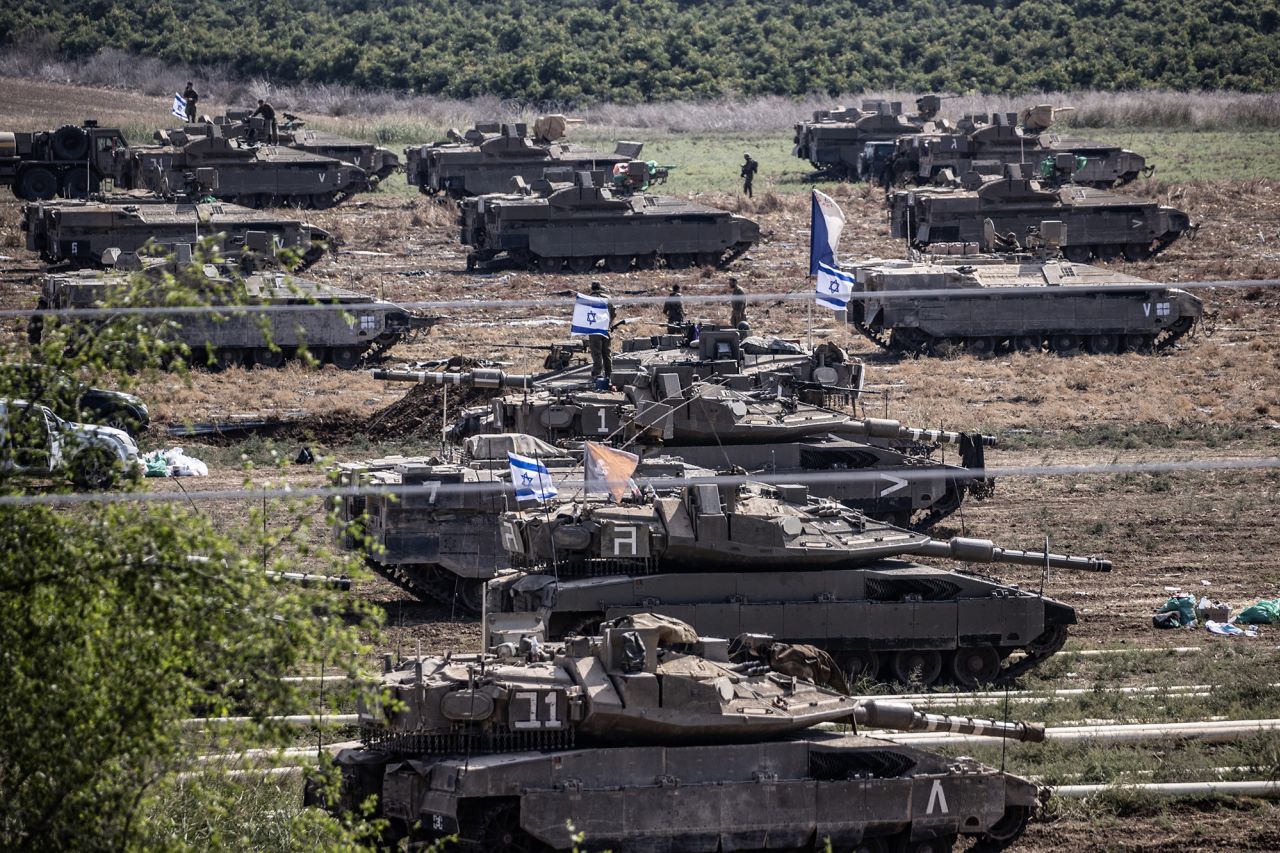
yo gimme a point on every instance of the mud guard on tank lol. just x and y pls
(1057, 613)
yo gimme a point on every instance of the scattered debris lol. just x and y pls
(173, 463)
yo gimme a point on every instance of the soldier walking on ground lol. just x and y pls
(749, 169)
(673, 308)
(737, 304)
(191, 96)
(601, 346)
(268, 114)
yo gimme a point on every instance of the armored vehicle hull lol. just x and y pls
(783, 795)
(1098, 223)
(991, 304)
(366, 328)
(836, 140)
(78, 232)
(582, 226)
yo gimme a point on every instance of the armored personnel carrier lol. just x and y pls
(988, 144)
(836, 140)
(378, 163)
(585, 222)
(734, 558)
(487, 157)
(363, 331)
(648, 737)
(79, 232)
(1099, 223)
(1016, 302)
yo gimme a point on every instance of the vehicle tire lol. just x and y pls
(709, 259)
(94, 468)
(123, 421)
(618, 263)
(860, 663)
(1137, 343)
(268, 358)
(37, 184)
(1103, 344)
(982, 347)
(1137, 252)
(345, 358)
(1064, 344)
(582, 264)
(1077, 254)
(973, 666)
(79, 184)
(1028, 343)
(550, 264)
(922, 666)
(70, 143)
(679, 261)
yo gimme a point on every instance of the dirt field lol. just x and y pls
(1217, 396)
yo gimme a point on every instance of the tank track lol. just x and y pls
(736, 251)
(1170, 336)
(880, 339)
(1035, 654)
(428, 586)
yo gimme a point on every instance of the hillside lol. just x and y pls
(624, 51)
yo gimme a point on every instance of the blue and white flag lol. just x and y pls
(833, 285)
(531, 478)
(590, 316)
(179, 106)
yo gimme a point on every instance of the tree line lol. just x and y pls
(576, 51)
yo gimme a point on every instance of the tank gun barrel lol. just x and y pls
(903, 717)
(887, 428)
(480, 378)
(986, 551)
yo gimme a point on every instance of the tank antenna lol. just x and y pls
(1044, 575)
(444, 417)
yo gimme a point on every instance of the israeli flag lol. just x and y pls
(531, 478)
(834, 287)
(590, 316)
(179, 106)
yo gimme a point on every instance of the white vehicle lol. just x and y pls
(33, 440)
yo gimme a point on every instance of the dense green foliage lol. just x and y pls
(624, 50)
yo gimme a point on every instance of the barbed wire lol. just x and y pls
(435, 489)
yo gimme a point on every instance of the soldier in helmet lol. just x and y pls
(268, 114)
(191, 96)
(737, 304)
(673, 308)
(748, 172)
(601, 346)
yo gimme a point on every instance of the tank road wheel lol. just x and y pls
(921, 666)
(345, 358)
(468, 595)
(708, 259)
(973, 666)
(582, 263)
(1005, 831)
(495, 828)
(982, 347)
(647, 262)
(679, 261)
(78, 184)
(1103, 344)
(550, 264)
(876, 844)
(618, 263)
(37, 185)
(1027, 343)
(1077, 254)
(225, 357)
(1137, 343)
(859, 664)
(268, 358)
(323, 201)
(1049, 642)
(1108, 251)
(1137, 251)
(1064, 344)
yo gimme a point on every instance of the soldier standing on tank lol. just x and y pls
(673, 308)
(737, 304)
(268, 114)
(601, 346)
(748, 172)
(190, 96)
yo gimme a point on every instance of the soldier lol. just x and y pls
(748, 172)
(601, 345)
(673, 307)
(191, 96)
(268, 114)
(737, 304)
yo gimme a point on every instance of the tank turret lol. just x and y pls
(730, 557)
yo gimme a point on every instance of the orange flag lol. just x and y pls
(609, 470)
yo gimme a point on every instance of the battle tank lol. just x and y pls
(362, 332)
(740, 557)
(836, 140)
(986, 144)
(1098, 223)
(377, 162)
(487, 157)
(1021, 302)
(587, 221)
(648, 737)
(80, 232)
